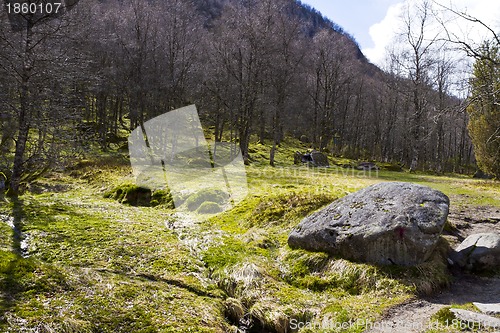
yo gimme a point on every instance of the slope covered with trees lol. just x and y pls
(257, 70)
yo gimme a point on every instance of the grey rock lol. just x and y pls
(314, 158)
(387, 223)
(481, 175)
(488, 308)
(479, 252)
(367, 166)
(479, 318)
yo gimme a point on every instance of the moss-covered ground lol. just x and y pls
(72, 260)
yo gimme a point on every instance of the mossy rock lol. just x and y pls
(444, 316)
(133, 195)
(209, 207)
(162, 198)
(195, 200)
(130, 194)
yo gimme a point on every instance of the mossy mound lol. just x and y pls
(395, 167)
(133, 195)
(287, 206)
(195, 201)
(162, 198)
(209, 208)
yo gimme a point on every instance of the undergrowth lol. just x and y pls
(95, 264)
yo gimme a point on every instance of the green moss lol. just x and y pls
(130, 194)
(443, 315)
(100, 266)
(448, 322)
(208, 207)
(261, 239)
(287, 207)
(194, 201)
(312, 282)
(337, 312)
(301, 263)
(391, 166)
(227, 253)
(271, 211)
(134, 269)
(163, 198)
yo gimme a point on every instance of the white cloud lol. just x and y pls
(384, 32)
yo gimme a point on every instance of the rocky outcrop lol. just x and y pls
(478, 252)
(387, 223)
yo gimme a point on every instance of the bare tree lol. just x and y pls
(330, 85)
(472, 48)
(285, 58)
(239, 52)
(35, 66)
(416, 59)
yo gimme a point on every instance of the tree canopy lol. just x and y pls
(484, 110)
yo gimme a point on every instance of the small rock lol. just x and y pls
(479, 252)
(314, 158)
(367, 166)
(489, 309)
(479, 174)
(474, 317)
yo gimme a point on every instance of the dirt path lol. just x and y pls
(414, 316)
(473, 220)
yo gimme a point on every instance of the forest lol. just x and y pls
(255, 69)
(410, 162)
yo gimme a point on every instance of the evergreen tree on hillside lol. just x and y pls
(484, 111)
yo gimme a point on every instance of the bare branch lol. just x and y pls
(471, 50)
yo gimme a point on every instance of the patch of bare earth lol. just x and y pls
(414, 316)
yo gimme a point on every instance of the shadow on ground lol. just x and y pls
(12, 263)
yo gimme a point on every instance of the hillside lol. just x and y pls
(266, 68)
(312, 19)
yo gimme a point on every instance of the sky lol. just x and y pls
(374, 23)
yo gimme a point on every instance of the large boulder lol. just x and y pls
(387, 223)
(479, 252)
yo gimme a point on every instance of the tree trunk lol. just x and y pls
(24, 115)
(271, 154)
